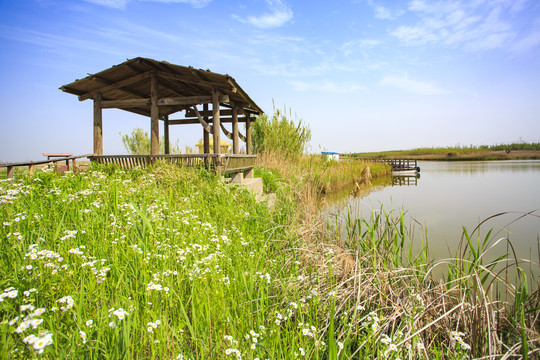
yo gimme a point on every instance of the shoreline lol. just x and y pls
(452, 156)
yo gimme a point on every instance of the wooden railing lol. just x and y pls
(31, 164)
(400, 164)
(224, 163)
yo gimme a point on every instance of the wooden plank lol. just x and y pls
(127, 103)
(98, 125)
(185, 79)
(190, 100)
(154, 114)
(116, 85)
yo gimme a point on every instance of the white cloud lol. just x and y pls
(280, 14)
(120, 4)
(471, 25)
(327, 86)
(409, 85)
(194, 3)
(386, 14)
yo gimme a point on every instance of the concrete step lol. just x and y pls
(255, 185)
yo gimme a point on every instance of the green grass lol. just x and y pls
(482, 152)
(172, 263)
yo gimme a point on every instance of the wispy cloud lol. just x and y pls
(382, 12)
(410, 85)
(327, 86)
(120, 4)
(280, 14)
(471, 25)
(115, 4)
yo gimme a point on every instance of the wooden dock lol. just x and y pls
(401, 165)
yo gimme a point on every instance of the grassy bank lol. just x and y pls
(483, 152)
(318, 175)
(172, 263)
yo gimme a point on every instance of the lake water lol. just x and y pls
(450, 195)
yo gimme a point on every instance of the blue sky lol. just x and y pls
(365, 75)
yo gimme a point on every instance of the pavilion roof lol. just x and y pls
(131, 80)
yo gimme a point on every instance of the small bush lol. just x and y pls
(280, 136)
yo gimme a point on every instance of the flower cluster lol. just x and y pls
(153, 325)
(39, 343)
(9, 293)
(68, 300)
(458, 336)
(119, 313)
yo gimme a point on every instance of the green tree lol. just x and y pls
(138, 143)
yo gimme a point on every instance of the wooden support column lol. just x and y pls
(98, 125)
(166, 134)
(236, 140)
(248, 133)
(154, 115)
(206, 138)
(215, 118)
(206, 134)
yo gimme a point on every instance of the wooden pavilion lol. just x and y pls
(158, 89)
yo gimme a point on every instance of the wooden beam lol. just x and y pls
(209, 121)
(154, 115)
(223, 112)
(127, 103)
(114, 85)
(166, 134)
(236, 147)
(248, 134)
(98, 125)
(204, 124)
(225, 131)
(191, 100)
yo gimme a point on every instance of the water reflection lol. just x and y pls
(453, 196)
(401, 180)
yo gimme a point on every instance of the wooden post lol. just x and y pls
(98, 125)
(154, 115)
(236, 140)
(216, 120)
(10, 171)
(248, 133)
(31, 169)
(166, 134)
(206, 134)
